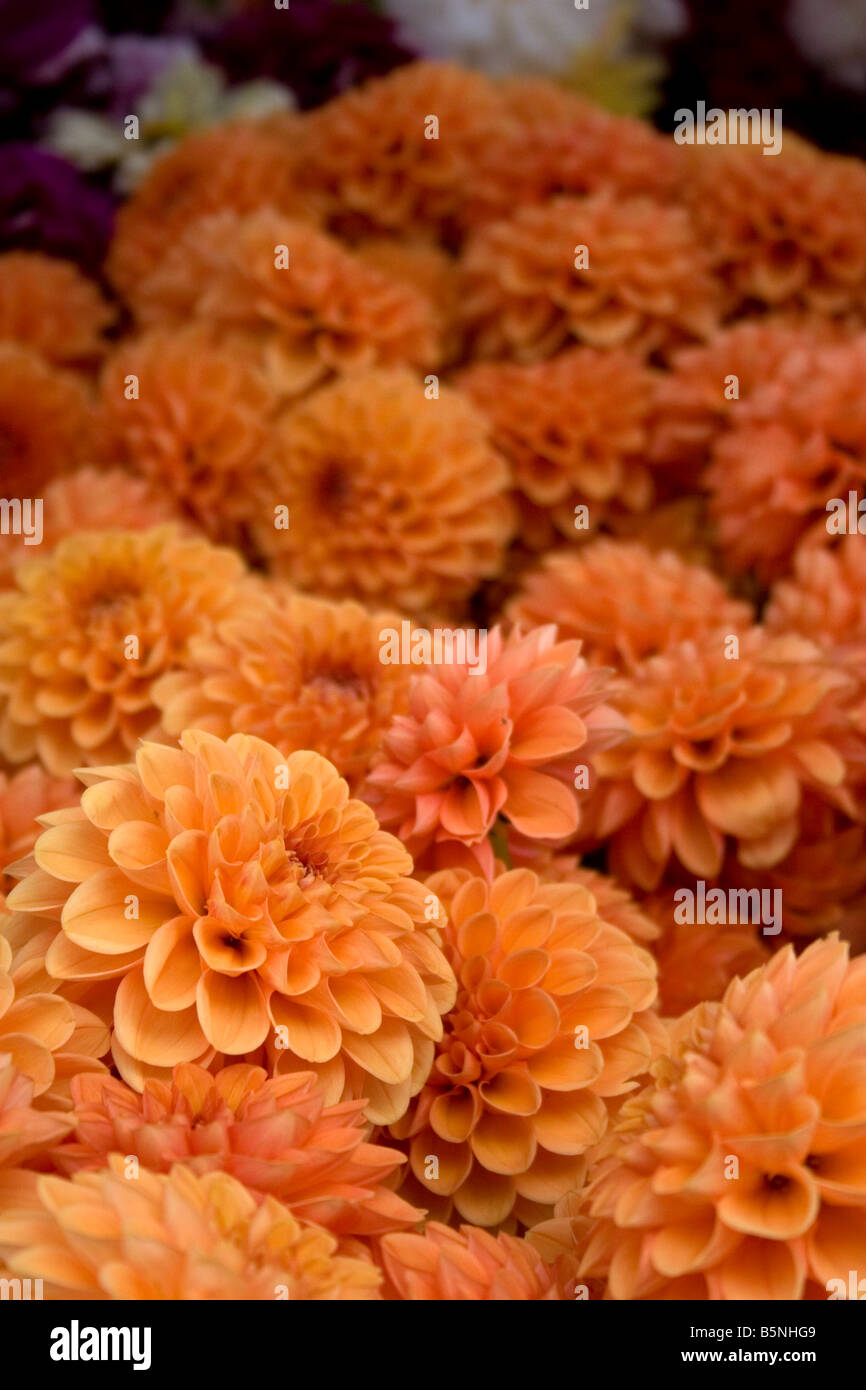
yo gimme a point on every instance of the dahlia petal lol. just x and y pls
(485, 1198)
(312, 1035)
(150, 1035)
(94, 915)
(546, 734)
(759, 1270)
(569, 1122)
(454, 1163)
(504, 1143)
(454, 1116)
(172, 966)
(233, 1013)
(748, 801)
(386, 1054)
(537, 805)
(512, 1091)
(72, 852)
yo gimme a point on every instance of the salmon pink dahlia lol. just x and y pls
(206, 1238)
(547, 1029)
(275, 1136)
(444, 1265)
(738, 1172)
(240, 898)
(86, 631)
(505, 740)
(49, 306)
(46, 421)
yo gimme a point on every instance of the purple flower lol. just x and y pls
(317, 47)
(45, 205)
(43, 43)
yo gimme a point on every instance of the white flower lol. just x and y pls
(832, 34)
(501, 36)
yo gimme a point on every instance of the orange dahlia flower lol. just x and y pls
(738, 1173)
(46, 422)
(87, 630)
(298, 672)
(270, 907)
(206, 1238)
(294, 294)
(201, 428)
(719, 755)
(238, 165)
(698, 960)
(624, 603)
(546, 1028)
(275, 1136)
(430, 271)
(49, 306)
(388, 493)
(614, 904)
(504, 740)
(444, 1265)
(573, 430)
(25, 1132)
(825, 598)
(24, 795)
(607, 272)
(786, 232)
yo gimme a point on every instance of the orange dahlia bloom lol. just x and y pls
(574, 431)
(270, 908)
(430, 271)
(206, 1238)
(719, 755)
(825, 598)
(46, 422)
(786, 232)
(298, 672)
(698, 960)
(444, 1265)
(738, 1173)
(645, 284)
(25, 1132)
(238, 165)
(546, 1029)
(324, 311)
(200, 430)
(87, 630)
(275, 1136)
(49, 306)
(614, 904)
(388, 493)
(624, 603)
(24, 795)
(477, 744)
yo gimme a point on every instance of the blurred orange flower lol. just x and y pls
(46, 421)
(444, 1265)
(24, 795)
(49, 306)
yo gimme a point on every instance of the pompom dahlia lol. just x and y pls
(24, 795)
(297, 671)
(271, 909)
(49, 306)
(502, 741)
(546, 1028)
(387, 492)
(200, 429)
(624, 603)
(275, 1136)
(207, 1238)
(610, 273)
(738, 1174)
(719, 755)
(85, 632)
(46, 422)
(445, 1265)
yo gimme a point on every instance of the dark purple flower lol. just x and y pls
(317, 47)
(42, 43)
(45, 205)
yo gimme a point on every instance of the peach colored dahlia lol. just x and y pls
(46, 421)
(174, 1237)
(270, 908)
(444, 1265)
(515, 1096)
(504, 741)
(646, 284)
(24, 795)
(275, 1136)
(25, 1132)
(86, 631)
(738, 1172)
(49, 306)
(388, 494)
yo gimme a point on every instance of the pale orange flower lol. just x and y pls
(504, 740)
(87, 630)
(46, 421)
(201, 428)
(207, 1238)
(645, 285)
(267, 907)
(389, 495)
(24, 795)
(517, 1093)
(738, 1173)
(445, 1265)
(25, 1132)
(275, 1136)
(719, 755)
(299, 672)
(698, 960)
(49, 306)
(825, 599)
(625, 603)
(614, 904)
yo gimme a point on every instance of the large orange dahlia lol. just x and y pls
(49, 306)
(205, 1238)
(240, 898)
(738, 1173)
(548, 1026)
(86, 631)
(445, 1265)
(275, 1136)
(46, 421)
(607, 272)
(388, 492)
(503, 740)
(297, 671)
